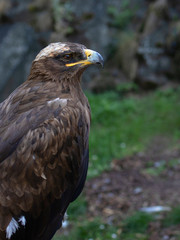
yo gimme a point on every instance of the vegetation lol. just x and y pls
(121, 19)
(173, 218)
(156, 170)
(134, 227)
(123, 124)
(92, 230)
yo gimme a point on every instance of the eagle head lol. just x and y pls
(66, 59)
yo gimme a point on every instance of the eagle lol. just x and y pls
(44, 132)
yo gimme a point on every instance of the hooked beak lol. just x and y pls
(92, 57)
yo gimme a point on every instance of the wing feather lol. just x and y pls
(43, 155)
(40, 158)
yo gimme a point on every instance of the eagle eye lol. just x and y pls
(68, 56)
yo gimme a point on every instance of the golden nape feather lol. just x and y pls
(44, 131)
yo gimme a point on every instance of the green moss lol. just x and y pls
(122, 18)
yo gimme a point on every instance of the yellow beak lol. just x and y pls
(92, 57)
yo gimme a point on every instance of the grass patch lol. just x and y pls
(124, 126)
(137, 223)
(157, 169)
(77, 208)
(173, 218)
(133, 227)
(134, 236)
(91, 230)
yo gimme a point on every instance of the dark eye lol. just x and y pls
(68, 56)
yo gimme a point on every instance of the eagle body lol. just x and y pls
(44, 130)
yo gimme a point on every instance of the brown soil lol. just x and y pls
(145, 179)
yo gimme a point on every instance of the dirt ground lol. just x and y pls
(146, 179)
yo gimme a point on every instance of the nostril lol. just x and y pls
(89, 55)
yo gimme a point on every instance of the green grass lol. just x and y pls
(123, 126)
(137, 223)
(173, 218)
(91, 230)
(77, 208)
(153, 170)
(134, 227)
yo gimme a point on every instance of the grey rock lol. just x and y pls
(4, 6)
(19, 6)
(18, 48)
(93, 23)
(154, 63)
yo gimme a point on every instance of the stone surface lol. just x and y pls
(43, 21)
(4, 6)
(154, 64)
(92, 23)
(138, 38)
(18, 47)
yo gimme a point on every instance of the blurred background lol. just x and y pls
(133, 186)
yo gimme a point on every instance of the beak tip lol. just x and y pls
(101, 63)
(100, 60)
